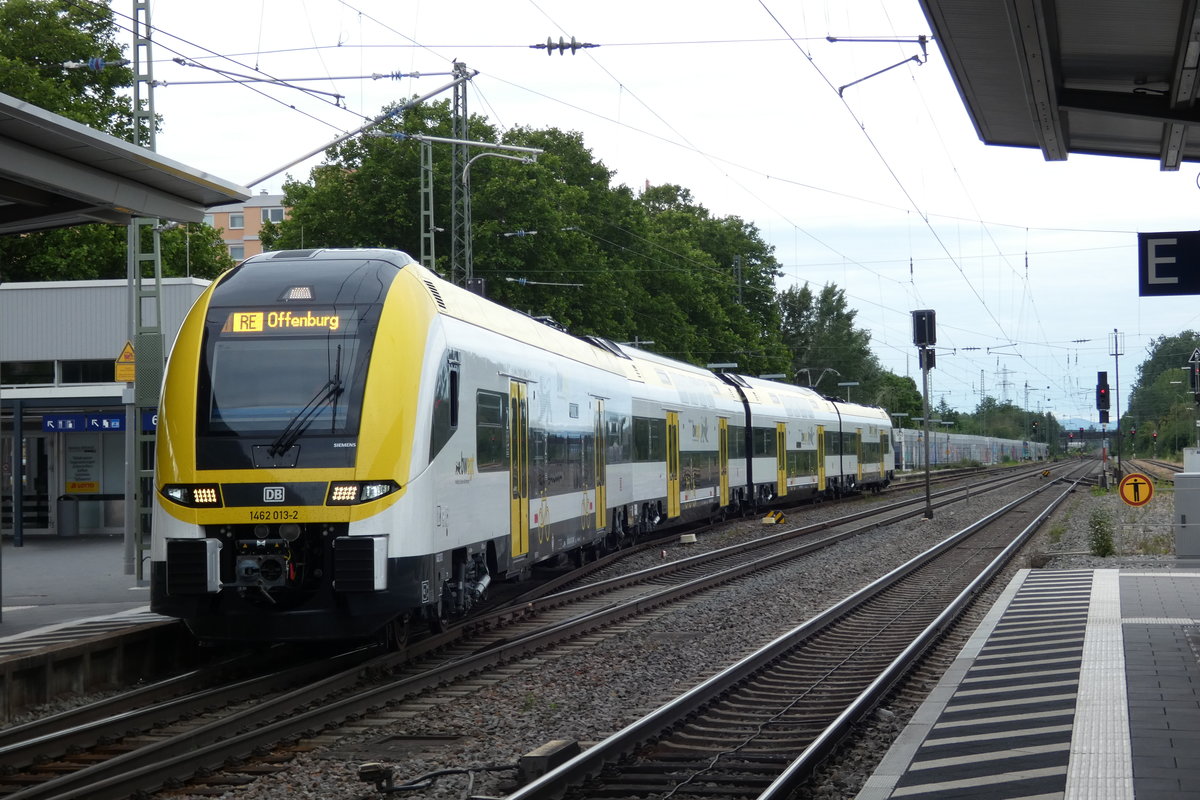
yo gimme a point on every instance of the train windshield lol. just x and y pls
(281, 385)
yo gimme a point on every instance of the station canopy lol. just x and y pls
(1105, 77)
(55, 172)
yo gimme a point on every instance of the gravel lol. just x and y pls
(586, 693)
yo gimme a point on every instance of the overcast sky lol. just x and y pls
(884, 190)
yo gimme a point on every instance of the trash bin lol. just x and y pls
(68, 515)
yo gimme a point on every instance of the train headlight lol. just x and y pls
(193, 496)
(349, 493)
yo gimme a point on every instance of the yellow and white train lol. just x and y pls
(347, 442)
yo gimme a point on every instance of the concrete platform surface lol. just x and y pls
(52, 580)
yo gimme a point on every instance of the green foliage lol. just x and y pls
(557, 239)
(1161, 400)
(1100, 534)
(94, 252)
(553, 238)
(38, 36)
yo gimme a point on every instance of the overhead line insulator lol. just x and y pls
(562, 46)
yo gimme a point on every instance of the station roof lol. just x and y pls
(1106, 77)
(55, 172)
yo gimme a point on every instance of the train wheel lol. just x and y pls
(395, 634)
(439, 620)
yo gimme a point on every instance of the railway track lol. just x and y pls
(178, 749)
(738, 733)
(1158, 470)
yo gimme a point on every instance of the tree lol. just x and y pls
(37, 37)
(555, 238)
(819, 331)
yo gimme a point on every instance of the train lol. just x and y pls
(947, 448)
(348, 445)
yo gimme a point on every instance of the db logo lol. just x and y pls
(273, 494)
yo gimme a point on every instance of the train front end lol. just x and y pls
(284, 449)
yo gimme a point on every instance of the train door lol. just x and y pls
(601, 467)
(723, 458)
(781, 458)
(858, 449)
(820, 458)
(518, 466)
(672, 464)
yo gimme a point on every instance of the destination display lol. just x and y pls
(277, 321)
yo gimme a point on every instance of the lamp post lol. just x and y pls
(847, 384)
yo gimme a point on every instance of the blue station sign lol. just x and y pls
(79, 423)
(1168, 263)
(63, 423)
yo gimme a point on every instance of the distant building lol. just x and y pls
(240, 224)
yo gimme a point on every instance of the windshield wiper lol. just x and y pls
(299, 423)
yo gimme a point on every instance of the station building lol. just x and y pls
(59, 344)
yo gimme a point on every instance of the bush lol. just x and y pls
(1100, 538)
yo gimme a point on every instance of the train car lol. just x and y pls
(801, 444)
(345, 440)
(347, 443)
(682, 421)
(947, 448)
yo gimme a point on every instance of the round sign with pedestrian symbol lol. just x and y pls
(1136, 489)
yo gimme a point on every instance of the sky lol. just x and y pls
(882, 188)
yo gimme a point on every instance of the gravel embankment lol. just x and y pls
(588, 693)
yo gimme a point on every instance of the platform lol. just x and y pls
(1078, 684)
(52, 581)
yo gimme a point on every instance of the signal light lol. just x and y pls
(1102, 402)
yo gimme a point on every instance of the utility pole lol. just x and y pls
(144, 275)
(461, 268)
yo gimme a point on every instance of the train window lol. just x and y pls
(617, 438)
(649, 439)
(764, 442)
(801, 463)
(241, 400)
(737, 442)
(491, 443)
(445, 408)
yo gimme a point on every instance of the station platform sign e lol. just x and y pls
(1168, 263)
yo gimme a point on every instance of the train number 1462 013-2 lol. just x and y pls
(274, 515)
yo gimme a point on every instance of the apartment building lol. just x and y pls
(240, 224)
